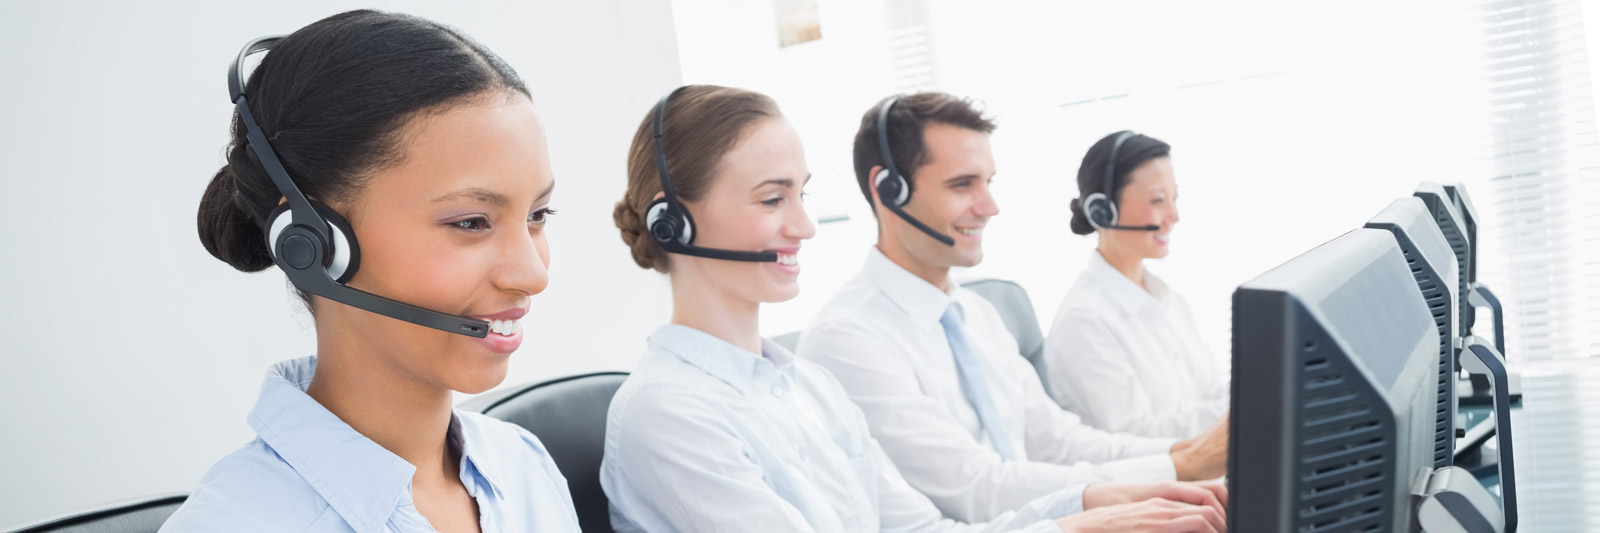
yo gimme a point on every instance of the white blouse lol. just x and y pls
(1132, 361)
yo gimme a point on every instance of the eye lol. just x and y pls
(540, 217)
(772, 202)
(473, 225)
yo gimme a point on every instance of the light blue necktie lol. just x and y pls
(975, 382)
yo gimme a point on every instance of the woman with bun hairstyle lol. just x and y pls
(423, 151)
(1124, 352)
(718, 429)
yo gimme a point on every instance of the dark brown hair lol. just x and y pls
(1137, 149)
(702, 123)
(907, 120)
(333, 97)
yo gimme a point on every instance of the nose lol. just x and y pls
(798, 224)
(524, 264)
(986, 206)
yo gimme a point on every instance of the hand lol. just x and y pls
(1211, 494)
(1157, 515)
(1205, 456)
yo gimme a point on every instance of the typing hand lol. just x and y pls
(1205, 456)
(1158, 515)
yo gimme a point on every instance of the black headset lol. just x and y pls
(894, 190)
(310, 242)
(669, 222)
(1099, 207)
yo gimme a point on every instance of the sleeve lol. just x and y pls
(902, 509)
(1057, 435)
(677, 465)
(1088, 367)
(931, 449)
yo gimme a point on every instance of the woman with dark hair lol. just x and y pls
(718, 429)
(423, 146)
(1124, 352)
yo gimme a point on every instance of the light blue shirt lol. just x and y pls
(705, 436)
(309, 471)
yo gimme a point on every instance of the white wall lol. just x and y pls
(1291, 124)
(129, 357)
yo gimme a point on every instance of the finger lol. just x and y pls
(1195, 494)
(1221, 491)
(1189, 523)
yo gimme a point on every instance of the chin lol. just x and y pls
(476, 380)
(781, 293)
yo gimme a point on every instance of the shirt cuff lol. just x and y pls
(1154, 463)
(1046, 509)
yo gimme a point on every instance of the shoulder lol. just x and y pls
(663, 396)
(507, 441)
(859, 299)
(1086, 298)
(252, 487)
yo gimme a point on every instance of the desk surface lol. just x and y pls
(1557, 433)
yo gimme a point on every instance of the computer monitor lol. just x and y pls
(1478, 294)
(1334, 391)
(1451, 223)
(1433, 266)
(1469, 225)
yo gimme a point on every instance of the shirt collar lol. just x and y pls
(1128, 295)
(476, 462)
(361, 480)
(921, 301)
(721, 359)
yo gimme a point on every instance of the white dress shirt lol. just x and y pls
(1130, 360)
(881, 337)
(705, 436)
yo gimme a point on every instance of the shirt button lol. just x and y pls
(777, 390)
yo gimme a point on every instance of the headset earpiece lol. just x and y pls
(341, 259)
(892, 188)
(666, 225)
(1100, 210)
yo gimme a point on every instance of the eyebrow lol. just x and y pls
(478, 194)
(785, 182)
(475, 194)
(963, 177)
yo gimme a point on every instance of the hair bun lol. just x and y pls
(1080, 222)
(646, 253)
(226, 230)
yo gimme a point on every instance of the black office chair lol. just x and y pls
(142, 515)
(1016, 310)
(569, 416)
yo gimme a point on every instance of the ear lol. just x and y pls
(872, 185)
(659, 195)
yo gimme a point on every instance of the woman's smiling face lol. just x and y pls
(456, 224)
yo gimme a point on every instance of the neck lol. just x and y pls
(936, 275)
(1128, 264)
(401, 414)
(709, 307)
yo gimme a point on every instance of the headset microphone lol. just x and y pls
(1098, 207)
(894, 189)
(669, 222)
(310, 242)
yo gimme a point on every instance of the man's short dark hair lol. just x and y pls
(908, 119)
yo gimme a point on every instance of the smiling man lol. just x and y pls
(943, 386)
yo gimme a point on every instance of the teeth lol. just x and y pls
(505, 327)
(971, 231)
(788, 259)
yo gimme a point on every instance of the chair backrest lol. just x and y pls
(569, 416)
(142, 515)
(1016, 310)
